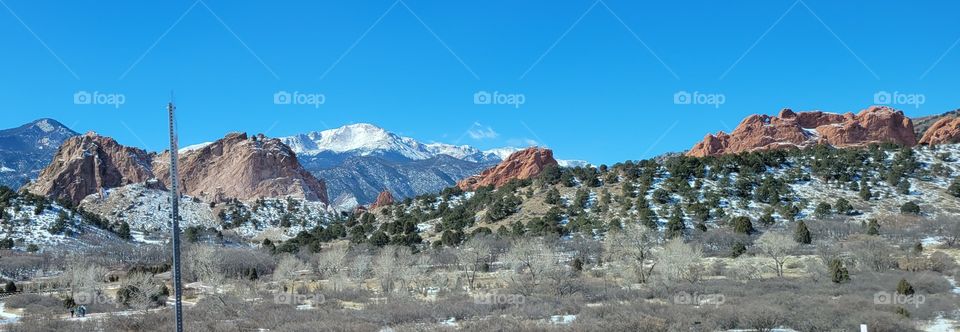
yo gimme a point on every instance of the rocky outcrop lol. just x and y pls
(523, 164)
(790, 129)
(236, 166)
(385, 198)
(85, 164)
(944, 131)
(921, 124)
(242, 167)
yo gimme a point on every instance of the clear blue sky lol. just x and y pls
(597, 86)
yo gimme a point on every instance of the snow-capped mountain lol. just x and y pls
(364, 139)
(27, 149)
(358, 161)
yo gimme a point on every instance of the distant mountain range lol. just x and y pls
(356, 161)
(26, 150)
(359, 161)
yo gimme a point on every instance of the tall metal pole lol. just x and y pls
(175, 215)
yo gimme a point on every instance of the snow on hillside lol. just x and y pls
(147, 210)
(26, 227)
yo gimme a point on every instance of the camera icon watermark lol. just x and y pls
(298, 299)
(497, 98)
(698, 98)
(494, 298)
(899, 98)
(898, 299)
(696, 299)
(283, 97)
(83, 97)
(90, 298)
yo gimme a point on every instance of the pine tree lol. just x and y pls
(10, 287)
(838, 272)
(910, 208)
(738, 249)
(823, 210)
(742, 225)
(904, 287)
(675, 225)
(865, 193)
(843, 206)
(802, 234)
(873, 228)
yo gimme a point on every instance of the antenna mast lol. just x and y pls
(175, 215)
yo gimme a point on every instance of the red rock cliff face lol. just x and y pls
(521, 165)
(944, 131)
(790, 129)
(236, 166)
(242, 167)
(86, 163)
(385, 198)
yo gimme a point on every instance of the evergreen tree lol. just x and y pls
(873, 227)
(124, 230)
(838, 272)
(904, 287)
(823, 210)
(552, 197)
(738, 249)
(843, 206)
(675, 224)
(865, 193)
(743, 225)
(910, 208)
(10, 287)
(801, 234)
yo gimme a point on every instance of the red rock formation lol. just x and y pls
(944, 131)
(85, 164)
(233, 167)
(385, 198)
(242, 167)
(523, 164)
(789, 129)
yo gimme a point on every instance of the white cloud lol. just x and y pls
(479, 131)
(522, 142)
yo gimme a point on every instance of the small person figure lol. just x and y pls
(71, 312)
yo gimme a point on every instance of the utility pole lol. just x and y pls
(175, 216)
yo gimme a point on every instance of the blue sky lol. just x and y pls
(597, 78)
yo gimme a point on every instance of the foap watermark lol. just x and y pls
(699, 98)
(90, 298)
(298, 299)
(84, 97)
(898, 299)
(899, 98)
(696, 299)
(283, 97)
(497, 98)
(494, 298)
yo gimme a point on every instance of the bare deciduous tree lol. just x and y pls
(777, 246)
(634, 245)
(530, 259)
(679, 261)
(474, 256)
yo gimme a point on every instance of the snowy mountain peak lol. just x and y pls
(366, 139)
